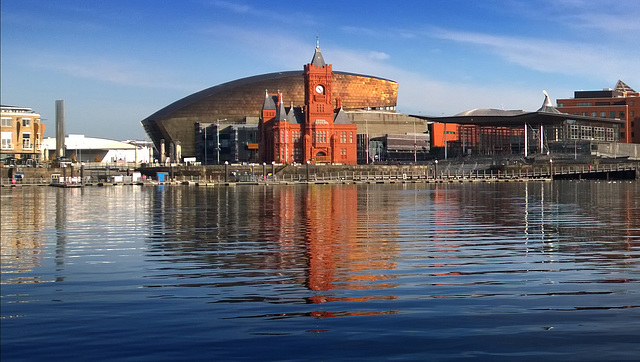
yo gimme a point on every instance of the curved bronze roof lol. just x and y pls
(284, 79)
(242, 99)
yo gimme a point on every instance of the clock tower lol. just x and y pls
(319, 110)
(320, 133)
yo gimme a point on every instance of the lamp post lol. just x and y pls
(273, 169)
(205, 145)
(366, 140)
(551, 169)
(435, 170)
(415, 153)
(218, 142)
(445, 141)
(226, 164)
(264, 171)
(308, 162)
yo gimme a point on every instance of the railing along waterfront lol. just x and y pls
(31, 181)
(611, 171)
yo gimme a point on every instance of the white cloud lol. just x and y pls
(548, 56)
(378, 55)
(418, 92)
(293, 17)
(232, 6)
(121, 72)
(602, 18)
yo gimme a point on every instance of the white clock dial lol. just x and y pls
(319, 88)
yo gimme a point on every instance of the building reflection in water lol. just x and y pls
(557, 222)
(22, 225)
(343, 243)
(341, 253)
(314, 237)
(61, 234)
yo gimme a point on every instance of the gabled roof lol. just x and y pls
(623, 87)
(295, 115)
(341, 117)
(270, 102)
(281, 113)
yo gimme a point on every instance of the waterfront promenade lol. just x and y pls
(259, 175)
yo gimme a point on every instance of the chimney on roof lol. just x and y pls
(60, 146)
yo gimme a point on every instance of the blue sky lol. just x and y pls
(116, 62)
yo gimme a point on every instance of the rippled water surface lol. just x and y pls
(494, 271)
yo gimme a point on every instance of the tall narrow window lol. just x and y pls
(6, 140)
(26, 141)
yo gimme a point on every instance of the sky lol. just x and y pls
(116, 62)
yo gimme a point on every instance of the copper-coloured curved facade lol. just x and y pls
(242, 99)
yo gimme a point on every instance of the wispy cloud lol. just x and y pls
(232, 6)
(378, 55)
(548, 56)
(277, 48)
(121, 72)
(607, 17)
(417, 92)
(260, 14)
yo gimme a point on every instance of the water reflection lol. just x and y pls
(449, 270)
(361, 243)
(275, 241)
(22, 234)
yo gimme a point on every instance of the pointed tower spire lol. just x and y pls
(547, 106)
(269, 102)
(317, 59)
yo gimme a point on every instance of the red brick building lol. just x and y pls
(620, 103)
(318, 132)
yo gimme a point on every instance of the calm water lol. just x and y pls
(494, 271)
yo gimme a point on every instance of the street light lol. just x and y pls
(308, 162)
(435, 170)
(205, 145)
(226, 164)
(415, 154)
(366, 141)
(445, 141)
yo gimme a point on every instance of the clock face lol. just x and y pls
(319, 88)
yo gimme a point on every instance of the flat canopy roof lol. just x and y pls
(538, 118)
(546, 115)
